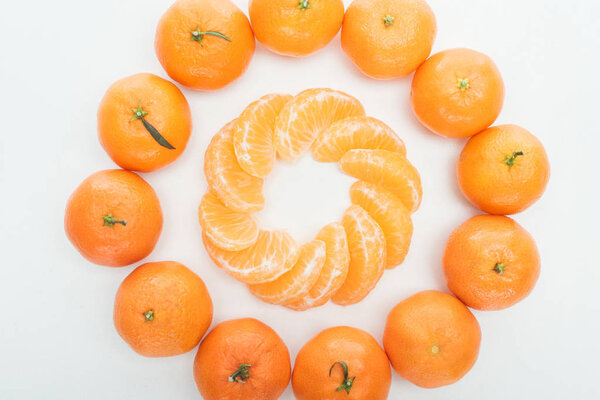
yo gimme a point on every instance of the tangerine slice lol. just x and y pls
(367, 256)
(390, 214)
(355, 133)
(334, 270)
(296, 282)
(238, 190)
(304, 117)
(229, 230)
(253, 134)
(388, 169)
(272, 255)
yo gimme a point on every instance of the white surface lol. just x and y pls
(57, 339)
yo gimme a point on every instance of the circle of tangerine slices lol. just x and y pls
(347, 259)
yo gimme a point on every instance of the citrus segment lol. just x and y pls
(253, 134)
(304, 118)
(388, 169)
(238, 190)
(355, 133)
(273, 254)
(229, 230)
(296, 282)
(367, 256)
(390, 214)
(334, 270)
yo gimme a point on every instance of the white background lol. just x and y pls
(57, 340)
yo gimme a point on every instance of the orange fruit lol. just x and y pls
(113, 218)
(334, 270)
(366, 243)
(341, 363)
(388, 169)
(457, 93)
(204, 44)
(242, 359)
(355, 133)
(295, 283)
(503, 170)
(431, 339)
(162, 309)
(491, 262)
(296, 27)
(304, 117)
(272, 255)
(390, 214)
(238, 190)
(229, 230)
(253, 134)
(144, 122)
(388, 38)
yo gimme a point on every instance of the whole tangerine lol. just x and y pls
(388, 39)
(162, 309)
(491, 262)
(431, 339)
(113, 218)
(341, 363)
(204, 44)
(296, 27)
(503, 170)
(457, 93)
(242, 359)
(144, 122)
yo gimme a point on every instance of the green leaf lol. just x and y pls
(217, 34)
(156, 135)
(198, 35)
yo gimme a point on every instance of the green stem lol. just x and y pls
(139, 113)
(511, 160)
(198, 35)
(347, 382)
(149, 315)
(388, 20)
(499, 268)
(240, 374)
(303, 5)
(109, 220)
(463, 84)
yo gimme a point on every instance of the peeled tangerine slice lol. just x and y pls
(388, 169)
(296, 282)
(367, 256)
(229, 230)
(390, 214)
(238, 190)
(273, 254)
(334, 270)
(253, 134)
(304, 118)
(355, 133)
